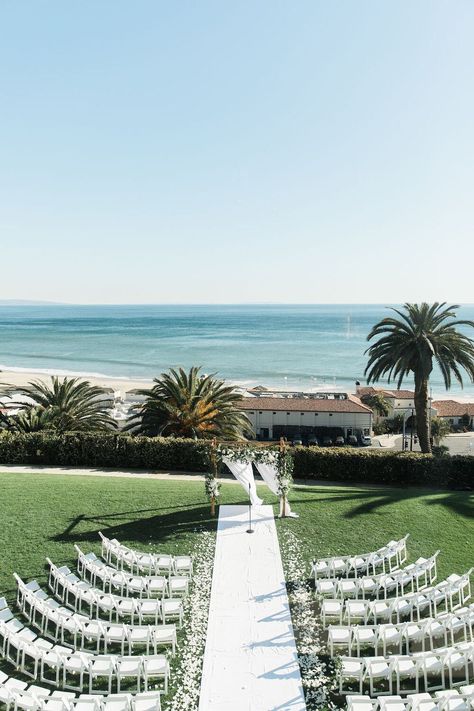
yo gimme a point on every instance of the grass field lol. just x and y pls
(44, 515)
(354, 519)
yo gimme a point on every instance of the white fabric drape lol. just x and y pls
(268, 472)
(269, 475)
(244, 474)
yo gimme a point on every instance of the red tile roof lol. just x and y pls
(453, 408)
(300, 404)
(396, 394)
(400, 394)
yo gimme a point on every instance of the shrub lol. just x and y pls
(380, 428)
(440, 451)
(121, 451)
(75, 449)
(376, 467)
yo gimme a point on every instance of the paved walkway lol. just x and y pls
(142, 474)
(250, 662)
(87, 471)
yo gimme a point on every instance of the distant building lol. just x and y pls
(399, 401)
(306, 415)
(457, 413)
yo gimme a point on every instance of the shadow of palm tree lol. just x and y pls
(153, 525)
(370, 500)
(162, 526)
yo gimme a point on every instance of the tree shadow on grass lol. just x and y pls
(164, 524)
(370, 500)
(157, 528)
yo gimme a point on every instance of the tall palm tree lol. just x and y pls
(423, 334)
(64, 405)
(189, 404)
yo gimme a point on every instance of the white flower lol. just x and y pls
(319, 681)
(187, 666)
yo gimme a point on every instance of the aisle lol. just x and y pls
(250, 662)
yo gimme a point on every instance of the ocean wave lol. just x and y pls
(67, 373)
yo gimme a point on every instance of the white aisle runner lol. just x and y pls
(250, 662)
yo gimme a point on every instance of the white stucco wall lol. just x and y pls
(346, 420)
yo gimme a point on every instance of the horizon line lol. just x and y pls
(40, 302)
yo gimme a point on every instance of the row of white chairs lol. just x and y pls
(446, 596)
(412, 578)
(102, 575)
(139, 562)
(443, 700)
(18, 695)
(82, 597)
(429, 633)
(62, 624)
(62, 666)
(436, 669)
(384, 560)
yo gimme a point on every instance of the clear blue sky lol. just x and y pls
(237, 151)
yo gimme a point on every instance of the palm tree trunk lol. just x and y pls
(422, 414)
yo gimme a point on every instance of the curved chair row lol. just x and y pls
(384, 560)
(428, 633)
(139, 562)
(436, 669)
(61, 624)
(415, 576)
(446, 596)
(102, 575)
(444, 700)
(55, 664)
(96, 603)
(18, 695)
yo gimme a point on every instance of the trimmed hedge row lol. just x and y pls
(330, 464)
(379, 467)
(77, 449)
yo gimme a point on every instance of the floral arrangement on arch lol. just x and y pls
(278, 457)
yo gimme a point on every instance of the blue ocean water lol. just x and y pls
(303, 347)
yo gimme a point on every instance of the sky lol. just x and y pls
(233, 152)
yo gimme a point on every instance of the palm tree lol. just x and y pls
(188, 404)
(439, 429)
(32, 419)
(64, 405)
(410, 345)
(377, 402)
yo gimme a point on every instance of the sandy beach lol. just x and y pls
(22, 377)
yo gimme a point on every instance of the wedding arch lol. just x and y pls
(274, 464)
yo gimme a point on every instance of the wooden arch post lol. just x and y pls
(283, 501)
(214, 473)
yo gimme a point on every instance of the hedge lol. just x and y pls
(77, 449)
(378, 467)
(371, 466)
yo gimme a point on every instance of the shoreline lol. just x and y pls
(20, 377)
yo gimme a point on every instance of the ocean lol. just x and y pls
(302, 347)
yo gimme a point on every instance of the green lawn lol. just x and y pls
(354, 519)
(44, 515)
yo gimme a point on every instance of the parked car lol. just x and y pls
(327, 442)
(352, 440)
(339, 441)
(365, 440)
(297, 442)
(313, 442)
